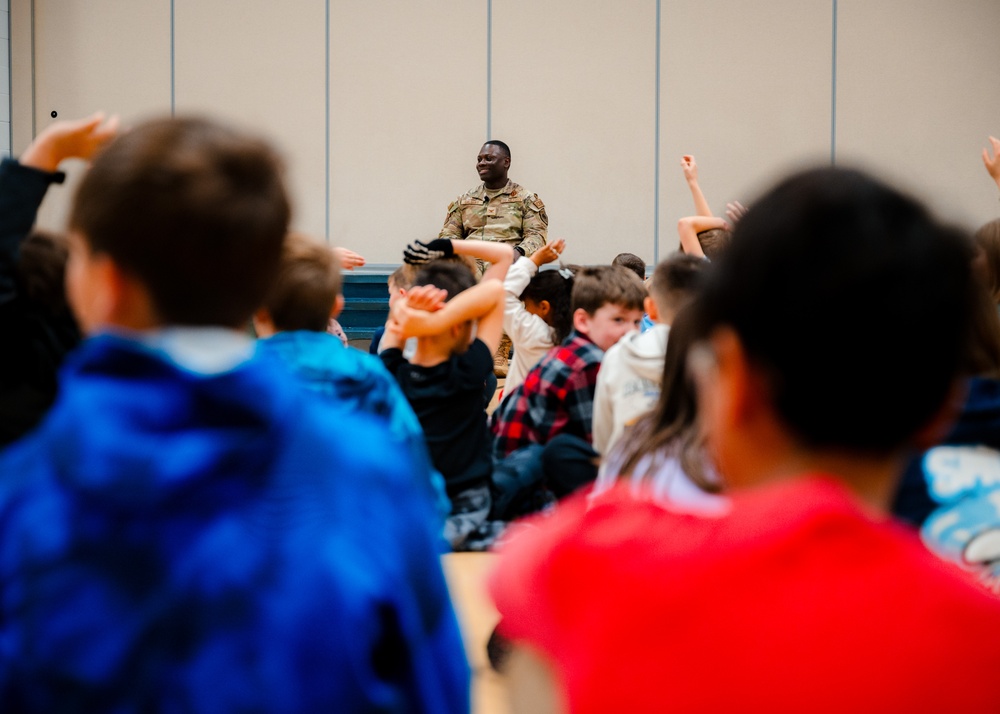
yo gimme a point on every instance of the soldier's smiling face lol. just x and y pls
(492, 164)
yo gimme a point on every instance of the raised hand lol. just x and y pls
(419, 253)
(992, 164)
(735, 211)
(426, 297)
(689, 167)
(348, 259)
(548, 252)
(79, 138)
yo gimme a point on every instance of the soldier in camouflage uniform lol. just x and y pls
(498, 209)
(501, 210)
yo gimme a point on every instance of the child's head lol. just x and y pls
(185, 217)
(550, 296)
(987, 260)
(714, 242)
(676, 281)
(842, 309)
(632, 262)
(400, 281)
(607, 303)
(453, 277)
(307, 291)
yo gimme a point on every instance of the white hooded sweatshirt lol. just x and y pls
(628, 384)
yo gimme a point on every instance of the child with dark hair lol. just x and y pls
(457, 324)
(537, 309)
(629, 381)
(631, 261)
(803, 575)
(206, 531)
(703, 235)
(38, 327)
(547, 421)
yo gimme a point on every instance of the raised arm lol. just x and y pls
(688, 229)
(992, 164)
(476, 303)
(690, 169)
(23, 184)
(500, 256)
(80, 139)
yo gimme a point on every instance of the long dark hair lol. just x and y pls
(671, 428)
(552, 286)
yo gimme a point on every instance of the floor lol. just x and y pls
(466, 574)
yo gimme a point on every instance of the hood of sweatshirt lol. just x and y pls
(642, 352)
(134, 427)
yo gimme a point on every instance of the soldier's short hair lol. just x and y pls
(676, 280)
(306, 289)
(195, 211)
(594, 287)
(500, 145)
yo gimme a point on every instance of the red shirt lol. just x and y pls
(796, 600)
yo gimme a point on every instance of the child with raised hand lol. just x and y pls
(458, 325)
(703, 235)
(537, 309)
(36, 323)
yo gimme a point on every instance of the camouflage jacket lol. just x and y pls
(515, 216)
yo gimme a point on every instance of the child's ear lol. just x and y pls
(338, 307)
(649, 305)
(581, 321)
(544, 308)
(263, 325)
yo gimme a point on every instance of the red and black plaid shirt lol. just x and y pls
(557, 397)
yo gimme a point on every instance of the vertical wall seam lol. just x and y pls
(833, 93)
(173, 73)
(34, 98)
(489, 69)
(10, 86)
(327, 122)
(656, 144)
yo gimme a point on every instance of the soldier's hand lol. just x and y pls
(418, 253)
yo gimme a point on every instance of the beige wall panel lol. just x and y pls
(574, 96)
(746, 88)
(21, 87)
(917, 97)
(407, 117)
(263, 67)
(92, 55)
